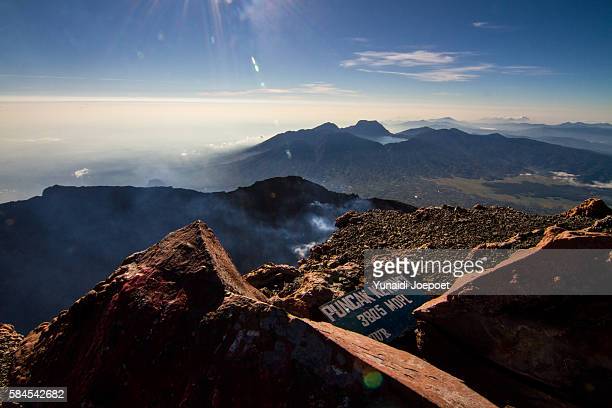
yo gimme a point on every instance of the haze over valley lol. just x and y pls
(223, 157)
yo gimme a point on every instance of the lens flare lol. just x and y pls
(255, 66)
(372, 379)
(229, 32)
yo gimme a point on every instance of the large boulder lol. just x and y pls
(271, 278)
(555, 238)
(560, 342)
(176, 325)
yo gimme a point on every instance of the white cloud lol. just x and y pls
(599, 184)
(68, 77)
(314, 88)
(450, 74)
(400, 59)
(81, 172)
(445, 93)
(435, 66)
(524, 70)
(487, 25)
(361, 40)
(321, 88)
(36, 139)
(573, 180)
(43, 140)
(429, 66)
(517, 119)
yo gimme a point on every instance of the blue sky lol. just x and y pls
(550, 59)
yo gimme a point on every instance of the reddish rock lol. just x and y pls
(590, 208)
(176, 325)
(555, 239)
(302, 293)
(311, 292)
(347, 218)
(272, 278)
(315, 288)
(561, 342)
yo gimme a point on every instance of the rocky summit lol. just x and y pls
(177, 325)
(557, 345)
(335, 267)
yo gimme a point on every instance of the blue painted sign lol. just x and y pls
(379, 314)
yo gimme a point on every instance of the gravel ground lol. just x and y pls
(434, 227)
(335, 267)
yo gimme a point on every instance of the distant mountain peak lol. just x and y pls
(327, 127)
(365, 122)
(368, 128)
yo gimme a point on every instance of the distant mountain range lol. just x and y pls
(590, 136)
(427, 152)
(415, 164)
(55, 247)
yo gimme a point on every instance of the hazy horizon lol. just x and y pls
(131, 141)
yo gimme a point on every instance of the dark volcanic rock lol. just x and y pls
(51, 252)
(176, 325)
(561, 342)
